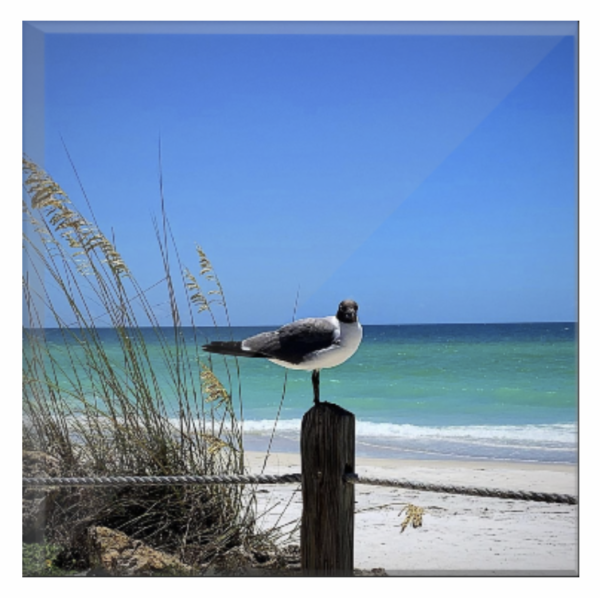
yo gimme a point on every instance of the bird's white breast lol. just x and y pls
(349, 338)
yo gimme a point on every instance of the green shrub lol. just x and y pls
(39, 560)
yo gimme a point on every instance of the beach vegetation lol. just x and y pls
(413, 515)
(154, 407)
(40, 560)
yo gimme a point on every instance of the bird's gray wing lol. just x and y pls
(293, 341)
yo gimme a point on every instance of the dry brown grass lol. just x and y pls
(102, 413)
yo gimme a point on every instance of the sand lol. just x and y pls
(460, 535)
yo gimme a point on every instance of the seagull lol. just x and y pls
(308, 344)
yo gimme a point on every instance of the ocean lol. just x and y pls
(503, 392)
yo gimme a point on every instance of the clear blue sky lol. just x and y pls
(431, 178)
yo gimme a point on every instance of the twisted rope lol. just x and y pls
(297, 478)
(165, 480)
(470, 491)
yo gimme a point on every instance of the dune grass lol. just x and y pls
(100, 413)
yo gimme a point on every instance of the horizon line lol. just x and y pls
(513, 323)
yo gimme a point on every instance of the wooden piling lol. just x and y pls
(327, 452)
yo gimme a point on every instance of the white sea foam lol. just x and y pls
(546, 433)
(522, 436)
(265, 426)
(549, 432)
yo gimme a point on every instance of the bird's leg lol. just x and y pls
(315, 381)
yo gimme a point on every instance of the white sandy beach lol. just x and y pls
(461, 535)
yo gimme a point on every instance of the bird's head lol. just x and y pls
(347, 311)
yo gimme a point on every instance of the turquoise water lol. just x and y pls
(469, 391)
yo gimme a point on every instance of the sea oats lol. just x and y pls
(129, 405)
(414, 516)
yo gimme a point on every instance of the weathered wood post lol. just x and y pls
(327, 452)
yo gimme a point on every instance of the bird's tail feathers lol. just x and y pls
(230, 348)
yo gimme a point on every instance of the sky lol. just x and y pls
(432, 178)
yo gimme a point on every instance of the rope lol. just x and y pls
(470, 491)
(165, 480)
(297, 478)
